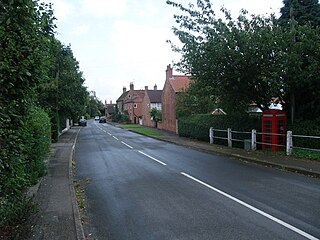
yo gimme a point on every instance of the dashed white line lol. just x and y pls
(127, 145)
(152, 158)
(109, 133)
(115, 138)
(287, 225)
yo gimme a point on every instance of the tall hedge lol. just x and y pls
(30, 146)
(197, 126)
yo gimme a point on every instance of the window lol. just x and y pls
(135, 105)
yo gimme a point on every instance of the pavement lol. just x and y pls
(58, 216)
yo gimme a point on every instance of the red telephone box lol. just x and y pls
(274, 126)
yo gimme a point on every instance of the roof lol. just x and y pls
(121, 98)
(111, 108)
(155, 96)
(180, 83)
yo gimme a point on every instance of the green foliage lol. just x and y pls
(301, 11)
(120, 118)
(235, 62)
(306, 128)
(143, 130)
(197, 126)
(156, 116)
(37, 139)
(29, 59)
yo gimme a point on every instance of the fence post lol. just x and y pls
(229, 137)
(211, 135)
(253, 140)
(289, 143)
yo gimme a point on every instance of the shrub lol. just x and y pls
(120, 118)
(197, 126)
(306, 127)
(22, 163)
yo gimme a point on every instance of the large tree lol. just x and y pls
(248, 59)
(230, 58)
(301, 11)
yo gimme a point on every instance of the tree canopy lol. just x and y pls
(250, 59)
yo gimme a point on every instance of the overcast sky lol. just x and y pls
(121, 41)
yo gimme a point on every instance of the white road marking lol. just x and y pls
(115, 138)
(127, 145)
(152, 158)
(109, 133)
(287, 225)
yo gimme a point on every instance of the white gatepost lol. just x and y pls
(289, 143)
(211, 135)
(229, 137)
(253, 140)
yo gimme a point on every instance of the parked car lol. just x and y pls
(96, 118)
(82, 122)
(102, 120)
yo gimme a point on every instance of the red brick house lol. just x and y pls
(152, 99)
(120, 101)
(109, 109)
(173, 85)
(132, 104)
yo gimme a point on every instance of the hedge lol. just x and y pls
(22, 164)
(197, 126)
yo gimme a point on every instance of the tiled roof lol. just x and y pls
(180, 82)
(155, 96)
(111, 108)
(122, 96)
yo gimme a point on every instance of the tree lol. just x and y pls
(235, 62)
(156, 116)
(233, 59)
(24, 27)
(302, 11)
(63, 93)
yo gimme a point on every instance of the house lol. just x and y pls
(132, 104)
(173, 85)
(120, 101)
(151, 99)
(110, 109)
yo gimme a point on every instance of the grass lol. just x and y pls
(302, 153)
(143, 130)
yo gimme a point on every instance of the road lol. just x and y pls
(142, 188)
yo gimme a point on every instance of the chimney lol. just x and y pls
(146, 88)
(155, 87)
(124, 89)
(169, 72)
(131, 86)
(110, 101)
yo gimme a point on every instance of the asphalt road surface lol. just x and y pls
(142, 188)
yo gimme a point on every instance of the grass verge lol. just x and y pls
(143, 130)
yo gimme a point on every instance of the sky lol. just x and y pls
(117, 42)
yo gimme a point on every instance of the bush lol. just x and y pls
(197, 126)
(308, 128)
(22, 163)
(120, 118)
(38, 131)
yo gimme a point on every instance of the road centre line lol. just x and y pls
(127, 145)
(109, 133)
(287, 225)
(115, 138)
(158, 161)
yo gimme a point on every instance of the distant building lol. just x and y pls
(152, 99)
(110, 109)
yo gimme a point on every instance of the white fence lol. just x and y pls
(251, 142)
